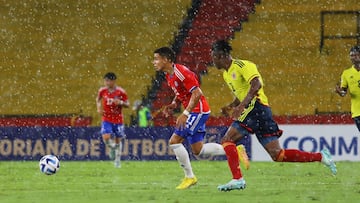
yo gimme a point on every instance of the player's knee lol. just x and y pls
(106, 136)
(174, 141)
(171, 142)
(232, 135)
(118, 140)
(226, 139)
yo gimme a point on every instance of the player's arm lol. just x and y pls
(126, 104)
(98, 104)
(167, 110)
(173, 103)
(226, 109)
(340, 90)
(255, 85)
(122, 103)
(196, 94)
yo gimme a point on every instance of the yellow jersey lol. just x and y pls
(350, 79)
(238, 78)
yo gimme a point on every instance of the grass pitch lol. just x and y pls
(155, 181)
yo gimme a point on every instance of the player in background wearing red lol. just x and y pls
(252, 115)
(190, 124)
(110, 101)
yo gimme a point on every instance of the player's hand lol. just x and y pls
(237, 111)
(181, 121)
(168, 109)
(340, 90)
(225, 110)
(118, 102)
(100, 111)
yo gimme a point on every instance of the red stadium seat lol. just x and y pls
(210, 24)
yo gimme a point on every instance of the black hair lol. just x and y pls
(355, 48)
(166, 52)
(110, 76)
(221, 46)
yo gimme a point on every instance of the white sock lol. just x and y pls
(118, 149)
(112, 143)
(183, 158)
(107, 143)
(212, 149)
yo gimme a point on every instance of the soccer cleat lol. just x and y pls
(243, 157)
(186, 183)
(327, 161)
(233, 185)
(112, 153)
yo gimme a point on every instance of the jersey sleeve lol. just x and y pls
(248, 70)
(124, 96)
(190, 80)
(100, 93)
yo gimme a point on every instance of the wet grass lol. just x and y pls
(155, 181)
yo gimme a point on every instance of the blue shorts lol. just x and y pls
(357, 122)
(195, 128)
(259, 122)
(113, 129)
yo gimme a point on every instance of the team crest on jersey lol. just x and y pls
(233, 75)
(176, 84)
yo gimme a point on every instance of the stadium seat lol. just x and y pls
(56, 53)
(282, 38)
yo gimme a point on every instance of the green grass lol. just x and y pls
(155, 181)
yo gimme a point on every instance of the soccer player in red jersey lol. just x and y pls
(252, 115)
(110, 101)
(190, 124)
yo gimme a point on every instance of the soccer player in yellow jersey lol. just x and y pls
(350, 82)
(252, 115)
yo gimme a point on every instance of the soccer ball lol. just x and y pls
(49, 164)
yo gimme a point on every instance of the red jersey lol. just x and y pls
(112, 112)
(183, 81)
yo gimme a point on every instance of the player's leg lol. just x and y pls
(207, 149)
(243, 157)
(119, 133)
(294, 155)
(183, 158)
(118, 150)
(290, 155)
(107, 140)
(231, 136)
(197, 131)
(268, 136)
(267, 132)
(106, 131)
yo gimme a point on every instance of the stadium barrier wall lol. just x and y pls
(341, 140)
(85, 143)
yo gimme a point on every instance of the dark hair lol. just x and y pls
(355, 48)
(166, 52)
(221, 45)
(110, 76)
